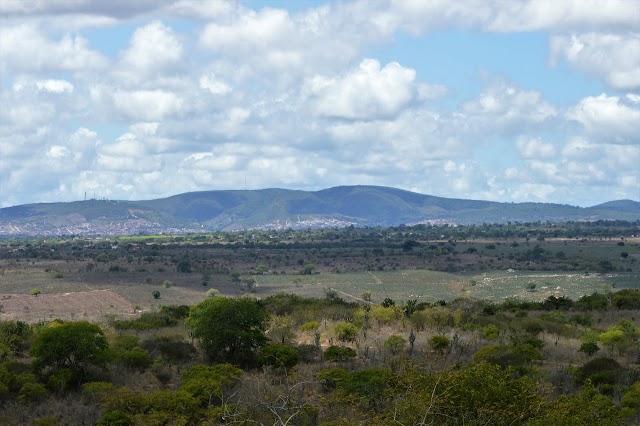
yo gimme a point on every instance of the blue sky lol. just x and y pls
(483, 99)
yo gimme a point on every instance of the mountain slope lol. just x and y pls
(274, 208)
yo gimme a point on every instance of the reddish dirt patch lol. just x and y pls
(86, 305)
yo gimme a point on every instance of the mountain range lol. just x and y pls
(282, 208)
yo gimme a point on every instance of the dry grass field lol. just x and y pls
(99, 278)
(91, 306)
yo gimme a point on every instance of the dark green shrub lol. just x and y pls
(600, 370)
(172, 348)
(439, 343)
(278, 356)
(136, 358)
(589, 348)
(115, 418)
(309, 353)
(339, 353)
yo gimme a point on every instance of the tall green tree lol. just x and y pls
(69, 346)
(230, 330)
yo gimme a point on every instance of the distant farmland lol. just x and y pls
(431, 286)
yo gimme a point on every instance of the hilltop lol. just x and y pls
(283, 208)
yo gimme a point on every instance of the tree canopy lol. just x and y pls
(69, 345)
(230, 330)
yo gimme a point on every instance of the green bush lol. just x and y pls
(439, 343)
(395, 344)
(136, 358)
(338, 353)
(172, 348)
(346, 332)
(31, 392)
(277, 355)
(310, 327)
(115, 418)
(167, 316)
(599, 371)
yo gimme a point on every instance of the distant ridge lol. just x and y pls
(275, 208)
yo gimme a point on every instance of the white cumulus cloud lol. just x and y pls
(366, 92)
(613, 57)
(608, 118)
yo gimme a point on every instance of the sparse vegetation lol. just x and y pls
(565, 353)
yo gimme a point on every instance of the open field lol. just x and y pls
(80, 305)
(424, 263)
(431, 286)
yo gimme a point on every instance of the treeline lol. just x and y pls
(288, 360)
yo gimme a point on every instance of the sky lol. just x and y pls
(511, 101)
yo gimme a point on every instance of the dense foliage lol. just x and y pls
(229, 330)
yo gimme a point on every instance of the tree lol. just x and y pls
(589, 348)
(156, 294)
(230, 330)
(184, 266)
(309, 269)
(71, 346)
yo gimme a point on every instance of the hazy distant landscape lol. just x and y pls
(286, 209)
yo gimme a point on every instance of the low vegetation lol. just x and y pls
(498, 347)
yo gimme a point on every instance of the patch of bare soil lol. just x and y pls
(86, 305)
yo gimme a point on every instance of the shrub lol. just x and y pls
(395, 344)
(388, 302)
(125, 342)
(169, 347)
(439, 343)
(385, 315)
(346, 332)
(167, 316)
(309, 353)
(136, 358)
(369, 383)
(589, 348)
(309, 327)
(32, 392)
(184, 266)
(490, 332)
(278, 356)
(585, 320)
(339, 353)
(600, 370)
(115, 418)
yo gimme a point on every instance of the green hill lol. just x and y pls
(273, 208)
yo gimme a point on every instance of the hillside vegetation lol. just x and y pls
(283, 209)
